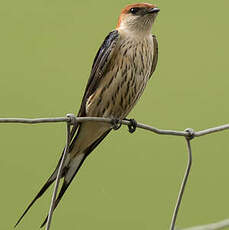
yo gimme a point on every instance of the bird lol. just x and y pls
(120, 71)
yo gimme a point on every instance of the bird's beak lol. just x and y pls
(153, 10)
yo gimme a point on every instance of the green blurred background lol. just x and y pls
(130, 181)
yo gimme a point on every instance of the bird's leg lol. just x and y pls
(132, 126)
(116, 124)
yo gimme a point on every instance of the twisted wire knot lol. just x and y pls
(72, 118)
(190, 133)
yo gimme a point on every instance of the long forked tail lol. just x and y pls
(73, 168)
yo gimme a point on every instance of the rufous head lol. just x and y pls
(137, 17)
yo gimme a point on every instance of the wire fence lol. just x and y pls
(188, 134)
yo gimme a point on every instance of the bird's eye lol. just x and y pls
(134, 10)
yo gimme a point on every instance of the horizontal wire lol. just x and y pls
(72, 119)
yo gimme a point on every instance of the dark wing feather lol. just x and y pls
(98, 70)
(99, 67)
(155, 54)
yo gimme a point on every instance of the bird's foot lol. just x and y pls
(116, 123)
(132, 126)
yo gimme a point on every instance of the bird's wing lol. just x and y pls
(155, 54)
(99, 66)
(98, 70)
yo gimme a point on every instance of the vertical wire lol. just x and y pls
(66, 149)
(183, 185)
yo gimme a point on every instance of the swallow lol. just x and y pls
(121, 69)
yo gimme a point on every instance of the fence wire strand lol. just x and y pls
(214, 226)
(58, 177)
(189, 134)
(72, 119)
(184, 182)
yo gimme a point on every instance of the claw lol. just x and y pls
(132, 126)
